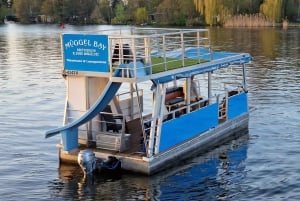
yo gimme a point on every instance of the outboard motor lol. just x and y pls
(87, 161)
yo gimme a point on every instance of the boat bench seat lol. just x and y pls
(174, 95)
(176, 100)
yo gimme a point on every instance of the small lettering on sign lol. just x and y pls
(70, 72)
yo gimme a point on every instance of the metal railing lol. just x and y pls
(145, 51)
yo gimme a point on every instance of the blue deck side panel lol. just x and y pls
(188, 126)
(237, 105)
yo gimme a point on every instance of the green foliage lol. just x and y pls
(119, 14)
(163, 12)
(141, 15)
(6, 3)
(176, 12)
(272, 9)
(292, 9)
(216, 11)
(247, 6)
(103, 12)
(22, 9)
(53, 10)
(3, 11)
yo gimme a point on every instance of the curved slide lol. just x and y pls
(107, 95)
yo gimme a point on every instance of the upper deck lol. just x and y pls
(156, 54)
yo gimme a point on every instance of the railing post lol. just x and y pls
(134, 58)
(226, 105)
(198, 47)
(110, 49)
(164, 52)
(147, 55)
(209, 47)
(160, 119)
(182, 48)
(188, 93)
(157, 118)
(244, 78)
(209, 87)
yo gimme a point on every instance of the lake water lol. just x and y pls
(263, 165)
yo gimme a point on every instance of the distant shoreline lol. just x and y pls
(289, 25)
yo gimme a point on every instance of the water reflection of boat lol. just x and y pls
(10, 19)
(233, 153)
(208, 176)
(190, 181)
(184, 119)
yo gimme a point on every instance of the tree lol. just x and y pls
(5, 9)
(48, 8)
(103, 11)
(248, 6)
(6, 3)
(272, 9)
(87, 7)
(58, 14)
(167, 10)
(209, 9)
(218, 10)
(292, 9)
(24, 9)
(176, 12)
(200, 6)
(131, 8)
(298, 10)
(119, 14)
(141, 15)
(151, 6)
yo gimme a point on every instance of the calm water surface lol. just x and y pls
(263, 165)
